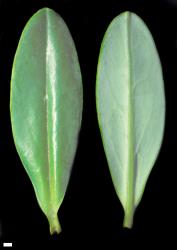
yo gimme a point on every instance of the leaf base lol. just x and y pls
(54, 225)
(128, 221)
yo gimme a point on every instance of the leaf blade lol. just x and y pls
(128, 75)
(46, 122)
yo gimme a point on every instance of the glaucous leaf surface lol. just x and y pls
(46, 107)
(130, 106)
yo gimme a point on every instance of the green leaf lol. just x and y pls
(130, 106)
(46, 108)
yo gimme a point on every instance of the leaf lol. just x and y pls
(46, 108)
(130, 107)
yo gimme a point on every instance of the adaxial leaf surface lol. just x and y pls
(46, 107)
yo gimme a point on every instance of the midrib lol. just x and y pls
(51, 183)
(129, 206)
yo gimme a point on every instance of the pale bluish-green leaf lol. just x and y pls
(130, 106)
(46, 107)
